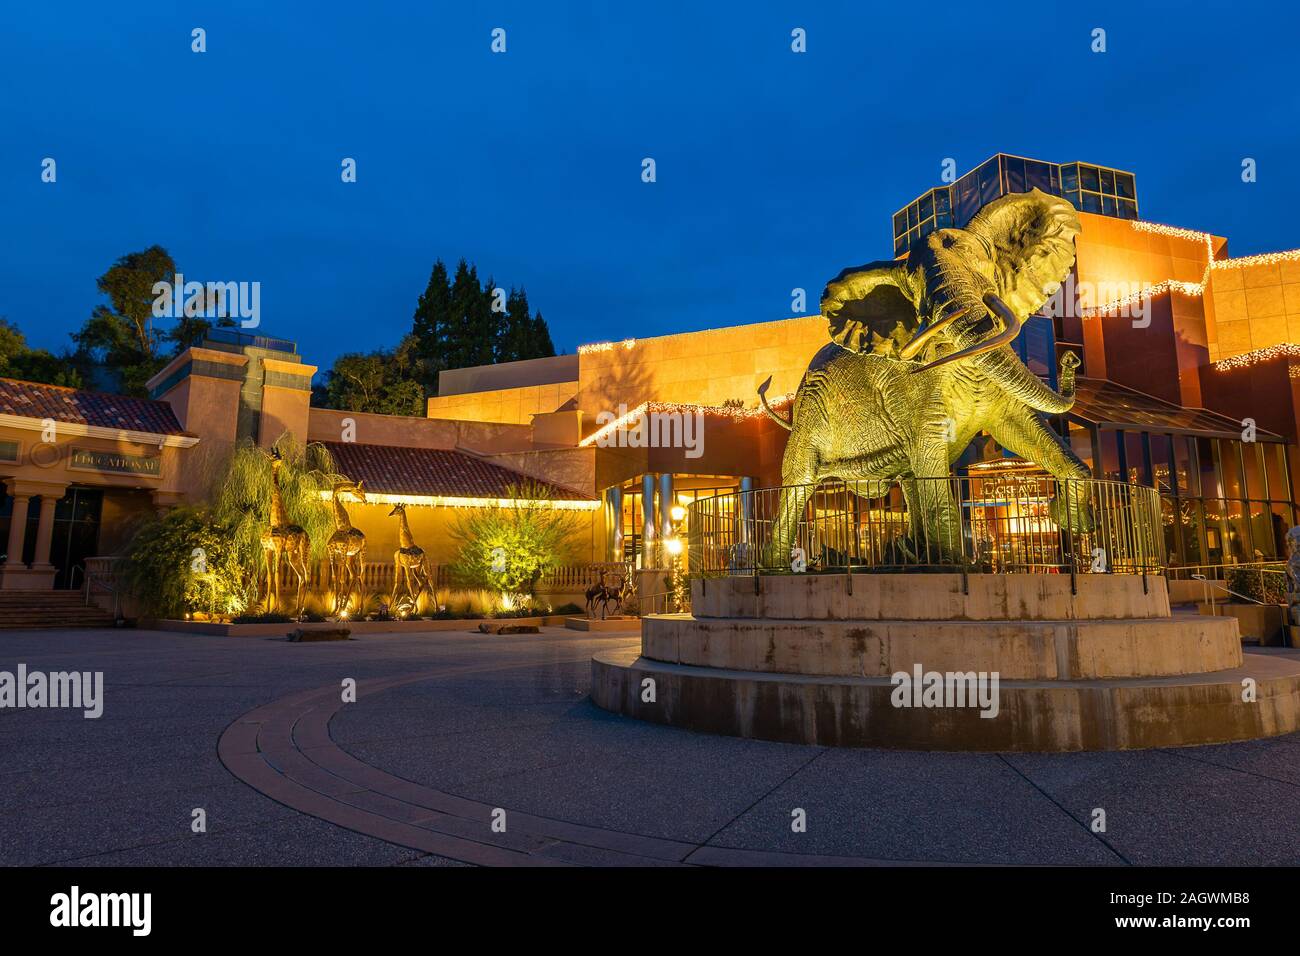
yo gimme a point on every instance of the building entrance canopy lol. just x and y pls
(1107, 405)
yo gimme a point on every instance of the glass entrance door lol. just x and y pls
(76, 535)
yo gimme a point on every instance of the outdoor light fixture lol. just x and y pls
(677, 512)
(673, 546)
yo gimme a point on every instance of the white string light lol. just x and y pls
(1188, 288)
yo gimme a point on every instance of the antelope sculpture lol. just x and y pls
(283, 541)
(410, 566)
(346, 547)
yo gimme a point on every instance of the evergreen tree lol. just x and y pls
(514, 336)
(493, 322)
(431, 327)
(467, 330)
(455, 326)
(541, 345)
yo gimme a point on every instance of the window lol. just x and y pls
(1160, 450)
(1210, 480)
(1185, 471)
(1081, 445)
(1135, 463)
(1230, 467)
(1252, 458)
(1275, 469)
(1109, 455)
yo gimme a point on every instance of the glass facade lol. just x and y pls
(1223, 500)
(1099, 189)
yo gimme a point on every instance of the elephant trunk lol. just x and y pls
(1004, 367)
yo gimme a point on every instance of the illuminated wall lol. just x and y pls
(705, 368)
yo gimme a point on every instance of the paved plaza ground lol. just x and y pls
(449, 728)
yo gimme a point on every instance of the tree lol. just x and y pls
(454, 325)
(431, 326)
(33, 365)
(121, 336)
(509, 548)
(541, 345)
(382, 382)
(523, 335)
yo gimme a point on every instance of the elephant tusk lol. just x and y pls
(922, 338)
(1010, 321)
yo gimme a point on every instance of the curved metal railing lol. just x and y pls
(993, 524)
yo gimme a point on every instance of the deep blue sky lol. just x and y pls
(775, 170)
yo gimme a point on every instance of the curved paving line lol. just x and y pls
(284, 750)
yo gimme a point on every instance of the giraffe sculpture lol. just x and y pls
(283, 541)
(409, 565)
(346, 547)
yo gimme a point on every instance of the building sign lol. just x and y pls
(83, 459)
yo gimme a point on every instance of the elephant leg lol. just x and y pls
(799, 471)
(930, 502)
(1025, 433)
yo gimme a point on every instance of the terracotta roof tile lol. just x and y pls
(79, 407)
(431, 471)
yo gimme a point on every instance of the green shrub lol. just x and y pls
(507, 549)
(183, 563)
(1264, 586)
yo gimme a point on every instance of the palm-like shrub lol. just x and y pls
(210, 558)
(241, 496)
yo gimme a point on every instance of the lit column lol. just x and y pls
(614, 524)
(17, 531)
(648, 534)
(45, 531)
(666, 502)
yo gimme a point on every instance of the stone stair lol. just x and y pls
(23, 610)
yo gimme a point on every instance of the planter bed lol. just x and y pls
(358, 628)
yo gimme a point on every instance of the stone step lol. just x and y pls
(32, 610)
(899, 597)
(1034, 716)
(627, 624)
(1030, 649)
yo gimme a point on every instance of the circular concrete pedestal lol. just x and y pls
(994, 662)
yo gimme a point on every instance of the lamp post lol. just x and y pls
(674, 547)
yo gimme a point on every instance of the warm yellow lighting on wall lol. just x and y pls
(451, 501)
(1188, 288)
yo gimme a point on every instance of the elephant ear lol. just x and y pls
(1032, 235)
(871, 308)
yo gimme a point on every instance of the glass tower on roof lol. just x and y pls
(1095, 189)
